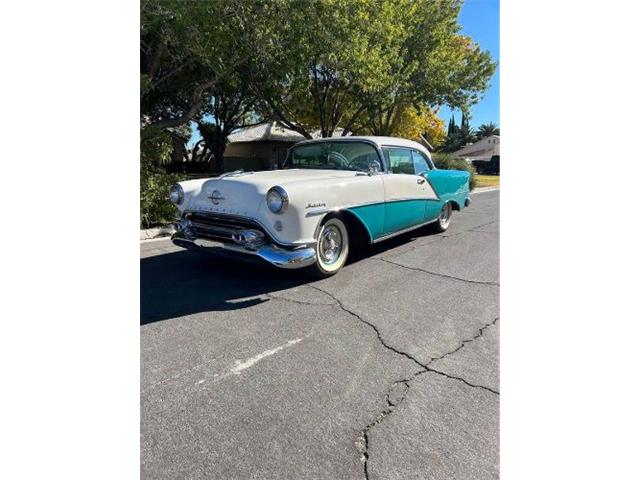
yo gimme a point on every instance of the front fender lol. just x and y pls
(310, 202)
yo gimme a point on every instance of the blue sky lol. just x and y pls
(480, 19)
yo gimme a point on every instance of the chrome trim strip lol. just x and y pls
(404, 230)
(407, 199)
(318, 211)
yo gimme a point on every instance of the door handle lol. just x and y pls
(421, 181)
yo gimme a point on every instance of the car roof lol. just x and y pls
(378, 140)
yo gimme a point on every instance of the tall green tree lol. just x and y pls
(437, 65)
(324, 63)
(355, 66)
(452, 126)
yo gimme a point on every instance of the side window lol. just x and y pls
(399, 160)
(421, 162)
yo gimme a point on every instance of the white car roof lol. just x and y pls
(380, 141)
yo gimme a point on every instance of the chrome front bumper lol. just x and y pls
(185, 237)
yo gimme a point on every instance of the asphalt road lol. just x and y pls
(388, 370)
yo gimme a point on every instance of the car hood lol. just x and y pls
(242, 193)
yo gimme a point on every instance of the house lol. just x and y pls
(261, 147)
(483, 154)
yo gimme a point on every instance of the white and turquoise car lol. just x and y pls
(330, 194)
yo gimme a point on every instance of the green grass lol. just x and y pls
(487, 181)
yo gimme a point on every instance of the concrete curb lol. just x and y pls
(485, 189)
(154, 233)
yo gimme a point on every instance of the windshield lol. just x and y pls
(356, 156)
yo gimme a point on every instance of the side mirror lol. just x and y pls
(374, 168)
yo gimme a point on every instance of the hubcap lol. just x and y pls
(330, 244)
(445, 214)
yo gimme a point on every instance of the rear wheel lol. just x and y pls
(444, 218)
(332, 247)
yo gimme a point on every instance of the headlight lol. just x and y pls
(176, 194)
(277, 199)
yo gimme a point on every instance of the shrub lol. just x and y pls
(155, 207)
(155, 182)
(446, 161)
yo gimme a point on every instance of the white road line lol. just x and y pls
(250, 362)
(242, 365)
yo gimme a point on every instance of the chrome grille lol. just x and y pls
(219, 227)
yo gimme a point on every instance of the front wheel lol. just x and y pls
(332, 247)
(444, 218)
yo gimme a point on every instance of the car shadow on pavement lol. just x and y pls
(186, 282)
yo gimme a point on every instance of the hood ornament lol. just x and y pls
(216, 197)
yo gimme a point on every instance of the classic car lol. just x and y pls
(330, 194)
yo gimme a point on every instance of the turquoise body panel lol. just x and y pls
(372, 217)
(382, 219)
(404, 214)
(450, 185)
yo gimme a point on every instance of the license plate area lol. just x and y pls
(205, 242)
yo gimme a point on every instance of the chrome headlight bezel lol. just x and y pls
(176, 194)
(277, 199)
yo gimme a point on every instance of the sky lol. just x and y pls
(480, 19)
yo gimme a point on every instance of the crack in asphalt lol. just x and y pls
(366, 322)
(453, 377)
(444, 275)
(362, 441)
(464, 342)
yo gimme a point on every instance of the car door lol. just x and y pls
(425, 168)
(406, 193)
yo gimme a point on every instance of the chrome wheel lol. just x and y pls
(445, 216)
(332, 247)
(330, 244)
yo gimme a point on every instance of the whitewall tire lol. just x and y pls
(444, 218)
(332, 247)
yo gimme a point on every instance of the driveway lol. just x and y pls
(388, 370)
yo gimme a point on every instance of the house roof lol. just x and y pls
(271, 132)
(483, 149)
(265, 132)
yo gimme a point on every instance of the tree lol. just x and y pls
(229, 106)
(413, 124)
(436, 66)
(181, 60)
(356, 65)
(458, 137)
(487, 129)
(192, 60)
(322, 71)
(452, 126)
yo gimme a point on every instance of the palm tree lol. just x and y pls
(487, 129)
